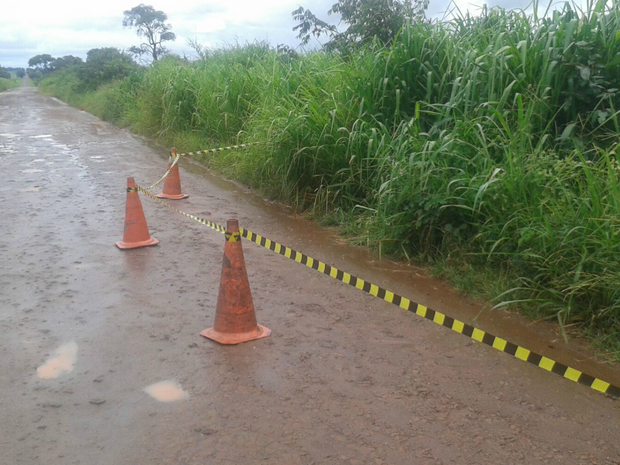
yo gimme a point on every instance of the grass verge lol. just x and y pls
(6, 84)
(485, 147)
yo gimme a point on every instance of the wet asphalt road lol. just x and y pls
(344, 379)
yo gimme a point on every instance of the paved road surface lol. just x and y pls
(344, 379)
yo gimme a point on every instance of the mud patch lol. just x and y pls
(31, 189)
(61, 364)
(166, 391)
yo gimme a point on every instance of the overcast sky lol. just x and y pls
(67, 27)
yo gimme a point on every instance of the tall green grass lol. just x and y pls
(482, 143)
(6, 84)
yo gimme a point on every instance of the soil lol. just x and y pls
(344, 378)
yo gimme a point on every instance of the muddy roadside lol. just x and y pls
(344, 379)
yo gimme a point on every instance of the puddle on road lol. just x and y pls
(31, 189)
(38, 160)
(8, 135)
(166, 391)
(61, 364)
(31, 170)
(42, 136)
(96, 157)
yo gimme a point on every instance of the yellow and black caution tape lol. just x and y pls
(176, 157)
(435, 316)
(232, 236)
(174, 162)
(208, 223)
(219, 149)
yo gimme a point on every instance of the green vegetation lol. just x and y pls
(485, 145)
(6, 84)
(41, 66)
(7, 79)
(74, 80)
(365, 20)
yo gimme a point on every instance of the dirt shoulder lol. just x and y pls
(344, 379)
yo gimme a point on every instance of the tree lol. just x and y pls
(4, 74)
(150, 24)
(104, 65)
(366, 20)
(33, 73)
(43, 63)
(67, 61)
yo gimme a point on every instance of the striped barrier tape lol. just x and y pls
(174, 162)
(435, 316)
(439, 318)
(176, 157)
(220, 149)
(232, 237)
(211, 224)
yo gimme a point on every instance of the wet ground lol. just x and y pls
(102, 362)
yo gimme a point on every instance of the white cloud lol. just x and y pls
(66, 27)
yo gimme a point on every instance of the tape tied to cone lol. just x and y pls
(172, 184)
(235, 318)
(136, 231)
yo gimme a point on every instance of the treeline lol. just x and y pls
(485, 145)
(10, 77)
(102, 65)
(7, 73)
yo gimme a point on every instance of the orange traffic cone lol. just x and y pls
(136, 230)
(172, 184)
(235, 320)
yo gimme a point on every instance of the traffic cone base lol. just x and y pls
(172, 196)
(135, 245)
(237, 338)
